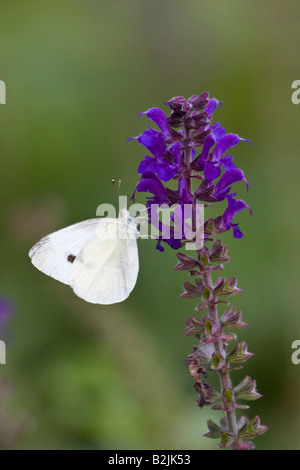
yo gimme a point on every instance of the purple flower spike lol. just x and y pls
(168, 147)
(176, 156)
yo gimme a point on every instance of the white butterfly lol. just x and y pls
(98, 258)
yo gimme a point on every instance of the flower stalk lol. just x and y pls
(176, 156)
(221, 351)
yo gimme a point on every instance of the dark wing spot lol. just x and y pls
(71, 258)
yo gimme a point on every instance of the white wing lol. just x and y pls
(100, 267)
(54, 254)
(106, 270)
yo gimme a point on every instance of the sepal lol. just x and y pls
(232, 319)
(215, 430)
(225, 286)
(239, 354)
(226, 441)
(194, 326)
(186, 263)
(217, 361)
(192, 291)
(218, 253)
(246, 390)
(249, 429)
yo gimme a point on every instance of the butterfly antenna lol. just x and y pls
(117, 191)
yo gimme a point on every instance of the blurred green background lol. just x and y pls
(77, 74)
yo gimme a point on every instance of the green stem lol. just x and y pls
(220, 348)
(225, 380)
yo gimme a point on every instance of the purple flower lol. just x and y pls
(234, 206)
(212, 106)
(227, 141)
(154, 141)
(223, 186)
(218, 131)
(206, 176)
(173, 157)
(150, 183)
(165, 161)
(211, 161)
(200, 161)
(159, 117)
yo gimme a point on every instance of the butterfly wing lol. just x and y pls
(55, 253)
(106, 270)
(99, 266)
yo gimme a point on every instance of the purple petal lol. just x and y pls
(227, 163)
(212, 106)
(227, 141)
(148, 164)
(211, 171)
(246, 140)
(218, 131)
(234, 206)
(208, 143)
(237, 233)
(165, 171)
(247, 184)
(159, 247)
(159, 117)
(175, 150)
(229, 177)
(151, 184)
(154, 141)
(174, 243)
